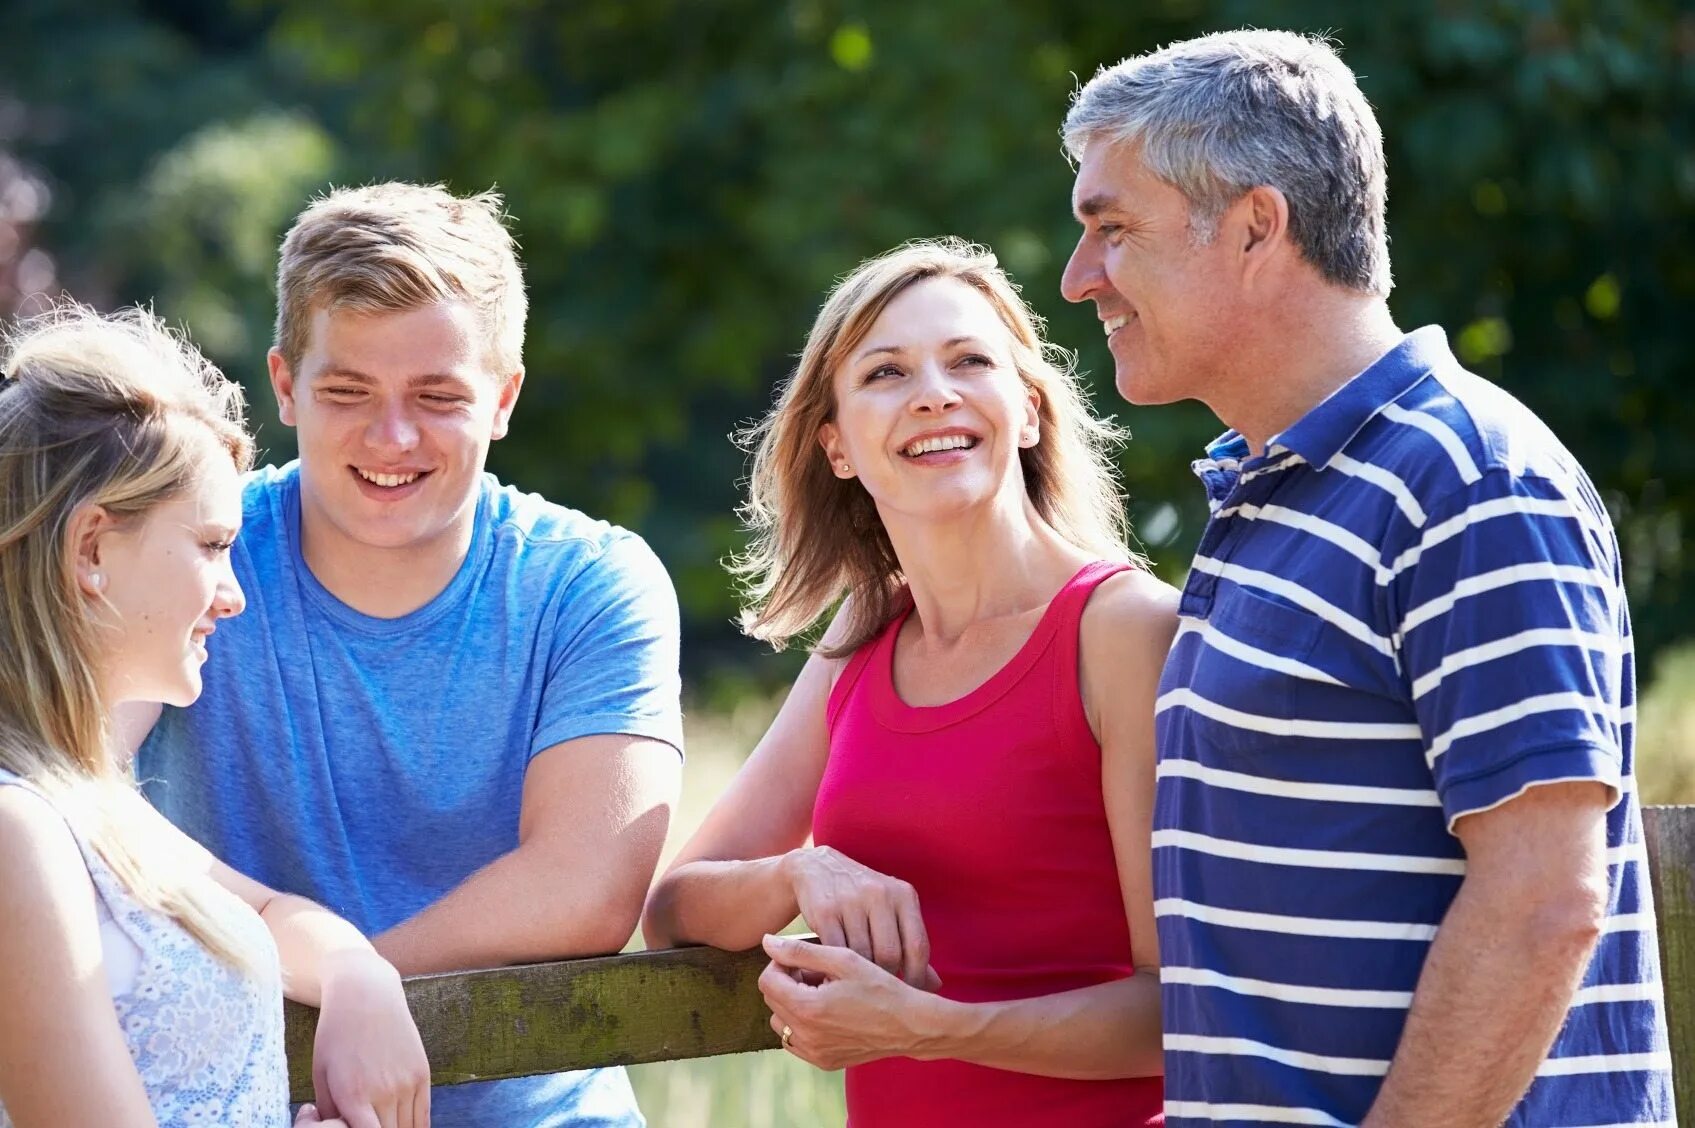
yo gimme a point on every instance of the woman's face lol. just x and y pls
(166, 581)
(930, 410)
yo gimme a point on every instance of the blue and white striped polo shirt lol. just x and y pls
(1409, 609)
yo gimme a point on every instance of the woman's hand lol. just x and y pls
(368, 1064)
(840, 1009)
(853, 906)
(308, 1117)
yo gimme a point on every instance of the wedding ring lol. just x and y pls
(788, 1032)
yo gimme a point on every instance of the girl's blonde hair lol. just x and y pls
(114, 412)
(816, 538)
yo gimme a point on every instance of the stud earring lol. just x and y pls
(96, 581)
(844, 468)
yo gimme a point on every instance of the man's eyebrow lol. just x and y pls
(1091, 206)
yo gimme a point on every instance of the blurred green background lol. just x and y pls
(686, 180)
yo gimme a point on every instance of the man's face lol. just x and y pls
(1166, 304)
(394, 414)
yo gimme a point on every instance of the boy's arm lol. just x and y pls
(595, 813)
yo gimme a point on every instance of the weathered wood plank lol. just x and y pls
(699, 1002)
(543, 1018)
(1670, 833)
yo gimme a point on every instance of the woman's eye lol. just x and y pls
(881, 371)
(219, 547)
(975, 359)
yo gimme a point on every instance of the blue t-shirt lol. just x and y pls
(374, 764)
(1408, 610)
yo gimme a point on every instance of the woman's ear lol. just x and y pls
(830, 438)
(1031, 433)
(88, 527)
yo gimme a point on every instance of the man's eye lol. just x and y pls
(442, 399)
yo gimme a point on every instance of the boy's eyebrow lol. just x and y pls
(333, 372)
(353, 375)
(434, 379)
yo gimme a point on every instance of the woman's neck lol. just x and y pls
(990, 563)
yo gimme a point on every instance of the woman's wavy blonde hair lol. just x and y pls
(815, 538)
(114, 412)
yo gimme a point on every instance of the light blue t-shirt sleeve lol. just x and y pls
(613, 661)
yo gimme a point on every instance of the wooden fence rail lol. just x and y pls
(698, 1002)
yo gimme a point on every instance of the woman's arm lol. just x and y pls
(859, 1014)
(748, 871)
(63, 1061)
(367, 1054)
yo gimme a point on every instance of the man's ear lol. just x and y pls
(507, 401)
(1261, 222)
(282, 384)
(88, 526)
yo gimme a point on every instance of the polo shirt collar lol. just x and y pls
(1322, 433)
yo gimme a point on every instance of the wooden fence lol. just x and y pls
(698, 1002)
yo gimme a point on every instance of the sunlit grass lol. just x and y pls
(1665, 729)
(763, 1090)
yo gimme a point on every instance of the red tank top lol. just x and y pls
(990, 806)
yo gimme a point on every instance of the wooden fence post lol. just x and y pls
(1670, 834)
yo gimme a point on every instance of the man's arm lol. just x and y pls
(595, 812)
(1508, 958)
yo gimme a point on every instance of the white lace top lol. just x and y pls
(206, 1038)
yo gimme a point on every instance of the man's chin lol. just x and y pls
(1135, 389)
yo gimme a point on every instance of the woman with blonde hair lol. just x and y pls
(957, 793)
(140, 980)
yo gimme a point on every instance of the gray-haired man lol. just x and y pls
(1398, 861)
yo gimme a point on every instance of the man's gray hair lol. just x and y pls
(1224, 113)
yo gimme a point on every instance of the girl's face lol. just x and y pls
(165, 580)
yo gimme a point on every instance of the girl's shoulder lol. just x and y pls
(44, 879)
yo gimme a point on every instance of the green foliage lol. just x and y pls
(687, 180)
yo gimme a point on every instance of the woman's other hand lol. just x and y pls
(853, 906)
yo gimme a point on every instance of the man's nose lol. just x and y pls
(1082, 272)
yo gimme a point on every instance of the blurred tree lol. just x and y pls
(687, 180)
